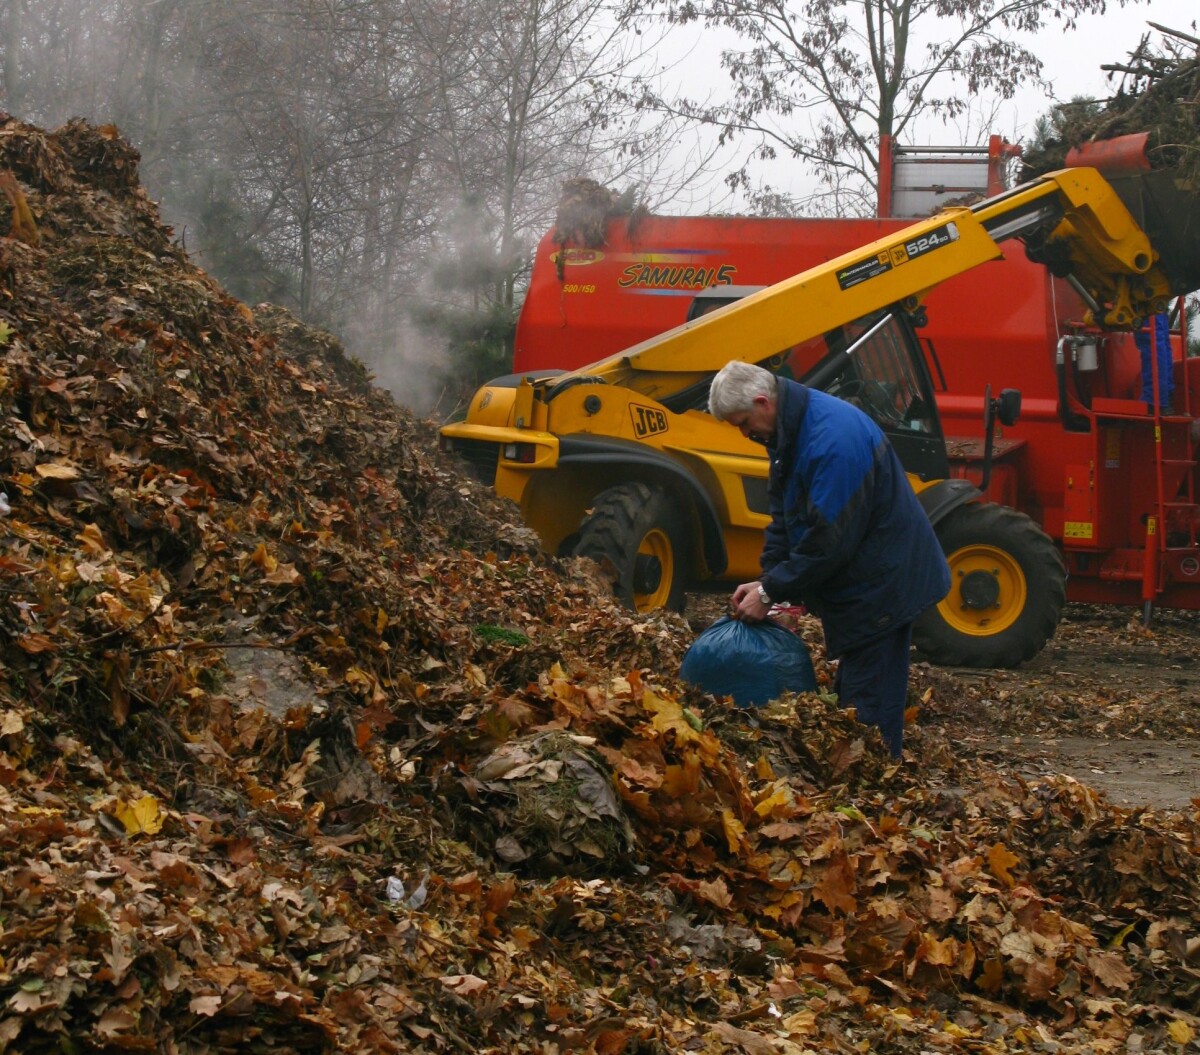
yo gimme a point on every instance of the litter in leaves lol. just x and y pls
(304, 747)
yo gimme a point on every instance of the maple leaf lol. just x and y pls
(120, 958)
(92, 540)
(463, 984)
(992, 978)
(116, 676)
(115, 1020)
(715, 893)
(518, 713)
(1041, 979)
(940, 952)
(669, 717)
(635, 773)
(35, 643)
(263, 558)
(735, 832)
(118, 612)
(639, 802)
(241, 851)
(1181, 1032)
(844, 754)
(282, 575)
(612, 1041)
(744, 1039)
(782, 830)
(942, 904)
(57, 471)
(680, 781)
(777, 801)
(967, 960)
(1020, 945)
(497, 899)
(1000, 860)
(142, 816)
(204, 1005)
(835, 890)
(26, 1000)
(802, 1023)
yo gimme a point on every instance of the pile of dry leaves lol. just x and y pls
(303, 747)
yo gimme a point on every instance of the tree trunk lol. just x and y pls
(13, 48)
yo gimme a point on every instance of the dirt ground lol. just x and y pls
(1109, 702)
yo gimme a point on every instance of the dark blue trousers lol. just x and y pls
(873, 679)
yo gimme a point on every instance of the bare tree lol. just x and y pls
(821, 81)
(363, 162)
(50, 51)
(12, 40)
(529, 98)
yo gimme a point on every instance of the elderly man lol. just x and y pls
(847, 537)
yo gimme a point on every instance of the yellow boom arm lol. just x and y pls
(1071, 220)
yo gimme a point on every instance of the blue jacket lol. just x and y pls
(848, 538)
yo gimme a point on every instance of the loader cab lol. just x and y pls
(875, 363)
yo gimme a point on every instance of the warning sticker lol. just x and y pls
(887, 259)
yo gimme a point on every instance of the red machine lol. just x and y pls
(1112, 481)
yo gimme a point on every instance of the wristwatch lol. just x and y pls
(762, 596)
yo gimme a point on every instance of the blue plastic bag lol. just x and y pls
(752, 662)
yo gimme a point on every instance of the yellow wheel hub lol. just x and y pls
(987, 591)
(654, 571)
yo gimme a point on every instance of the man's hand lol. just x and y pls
(746, 604)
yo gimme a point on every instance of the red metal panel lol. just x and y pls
(1112, 157)
(641, 280)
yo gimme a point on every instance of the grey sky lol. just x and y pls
(691, 62)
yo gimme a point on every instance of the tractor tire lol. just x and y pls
(635, 532)
(1008, 585)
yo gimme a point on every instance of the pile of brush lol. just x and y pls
(1158, 93)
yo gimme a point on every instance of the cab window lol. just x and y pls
(870, 365)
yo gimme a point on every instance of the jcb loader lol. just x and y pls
(620, 461)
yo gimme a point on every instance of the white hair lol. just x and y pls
(735, 387)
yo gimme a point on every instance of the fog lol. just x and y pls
(383, 169)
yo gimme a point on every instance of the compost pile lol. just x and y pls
(303, 747)
(1157, 93)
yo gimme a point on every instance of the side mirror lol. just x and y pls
(1008, 406)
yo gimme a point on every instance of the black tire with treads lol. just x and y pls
(1008, 585)
(635, 531)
